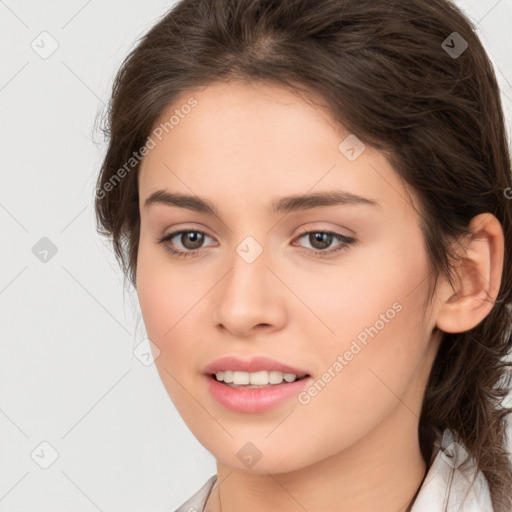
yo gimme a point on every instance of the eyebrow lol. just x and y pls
(283, 205)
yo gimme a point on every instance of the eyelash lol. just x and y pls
(345, 244)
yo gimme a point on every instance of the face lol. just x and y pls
(346, 305)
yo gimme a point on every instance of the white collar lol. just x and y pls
(449, 486)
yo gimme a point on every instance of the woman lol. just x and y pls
(310, 198)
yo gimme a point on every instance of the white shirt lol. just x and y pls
(447, 486)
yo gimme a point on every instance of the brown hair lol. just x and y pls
(386, 75)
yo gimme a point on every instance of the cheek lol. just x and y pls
(364, 289)
(169, 302)
(153, 300)
(368, 370)
(163, 309)
(370, 313)
(160, 296)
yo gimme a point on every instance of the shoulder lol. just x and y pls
(198, 500)
(453, 482)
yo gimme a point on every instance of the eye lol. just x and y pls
(322, 239)
(191, 240)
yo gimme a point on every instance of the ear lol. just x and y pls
(478, 277)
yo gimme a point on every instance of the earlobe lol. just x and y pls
(478, 280)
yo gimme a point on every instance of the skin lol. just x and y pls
(354, 447)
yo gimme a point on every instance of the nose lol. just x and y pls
(250, 298)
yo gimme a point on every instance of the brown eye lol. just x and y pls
(320, 240)
(192, 239)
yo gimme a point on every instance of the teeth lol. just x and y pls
(262, 378)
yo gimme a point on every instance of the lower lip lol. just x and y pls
(257, 399)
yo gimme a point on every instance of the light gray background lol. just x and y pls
(68, 373)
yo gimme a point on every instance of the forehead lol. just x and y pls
(255, 118)
(255, 140)
(238, 99)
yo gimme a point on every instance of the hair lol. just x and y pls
(382, 71)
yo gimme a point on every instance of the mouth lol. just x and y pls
(258, 380)
(254, 393)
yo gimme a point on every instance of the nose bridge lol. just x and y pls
(250, 250)
(248, 269)
(247, 298)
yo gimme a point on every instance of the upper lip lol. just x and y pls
(252, 364)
